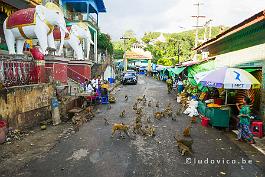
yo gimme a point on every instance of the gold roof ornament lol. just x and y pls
(83, 25)
(53, 6)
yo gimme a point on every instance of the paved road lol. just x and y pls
(92, 152)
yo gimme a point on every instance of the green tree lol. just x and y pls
(104, 43)
(178, 46)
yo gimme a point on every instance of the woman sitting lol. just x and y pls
(244, 122)
(88, 87)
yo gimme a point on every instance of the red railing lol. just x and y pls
(72, 74)
(17, 72)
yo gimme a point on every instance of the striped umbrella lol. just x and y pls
(229, 78)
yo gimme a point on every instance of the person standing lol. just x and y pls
(244, 133)
(169, 85)
(180, 85)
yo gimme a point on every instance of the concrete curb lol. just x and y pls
(115, 86)
(253, 145)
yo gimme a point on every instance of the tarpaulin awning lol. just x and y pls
(193, 70)
(177, 71)
(251, 69)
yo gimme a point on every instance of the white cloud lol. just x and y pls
(167, 15)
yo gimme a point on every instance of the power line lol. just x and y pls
(198, 16)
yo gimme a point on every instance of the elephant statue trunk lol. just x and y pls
(62, 41)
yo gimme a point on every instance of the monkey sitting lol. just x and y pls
(148, 120)
(139, 111)
(122, 114)
(139, 99)
(144, 98)
(168, 112)
(90, 114)
(121, 127)
(157, 104)
(159, 115)
(135, 106)
(186, 131)
(138, 119)
(126, 98)
(150, 103)
(137, 128)
(144, 102)
(150, 131)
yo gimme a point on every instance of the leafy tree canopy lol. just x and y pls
(178, 46)
(104, 42)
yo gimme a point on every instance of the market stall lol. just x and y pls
(228, 79)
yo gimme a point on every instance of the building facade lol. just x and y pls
(242, 46)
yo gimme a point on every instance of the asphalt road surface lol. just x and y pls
(92, 152)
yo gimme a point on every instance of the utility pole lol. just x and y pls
(124, 56)
(198, 16)
(206, 25)
(178, 51)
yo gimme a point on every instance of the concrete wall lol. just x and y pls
(25, 106)
(262, 105)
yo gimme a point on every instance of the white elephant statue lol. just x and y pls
(77, 33)
(34, 23)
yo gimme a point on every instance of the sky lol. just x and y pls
(169, 16)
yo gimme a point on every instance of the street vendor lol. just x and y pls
(244, 132)
(180, 85)
(169, 84)
(88, 87)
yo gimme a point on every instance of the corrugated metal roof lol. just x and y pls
(248, 22)
(80, 5)
(100, 5)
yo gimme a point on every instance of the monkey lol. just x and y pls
(106, 122)
(158, 115)
(144, 98)
(122, 114)
(138, 119)
(135, 106)
(126, 98)
(186, 131)
(150, 103)
(173, 118)
(193, 120)
(151, 131)
(183, 149)
(148, 120)
(137, 128)
(139, 99)
(144, 103)
(139, 111)
(157, 104)
(121, 127)
(186, 142)
(89, 110)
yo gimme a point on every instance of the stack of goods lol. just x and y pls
(192, 108)
(182, 98)
(212, 105)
